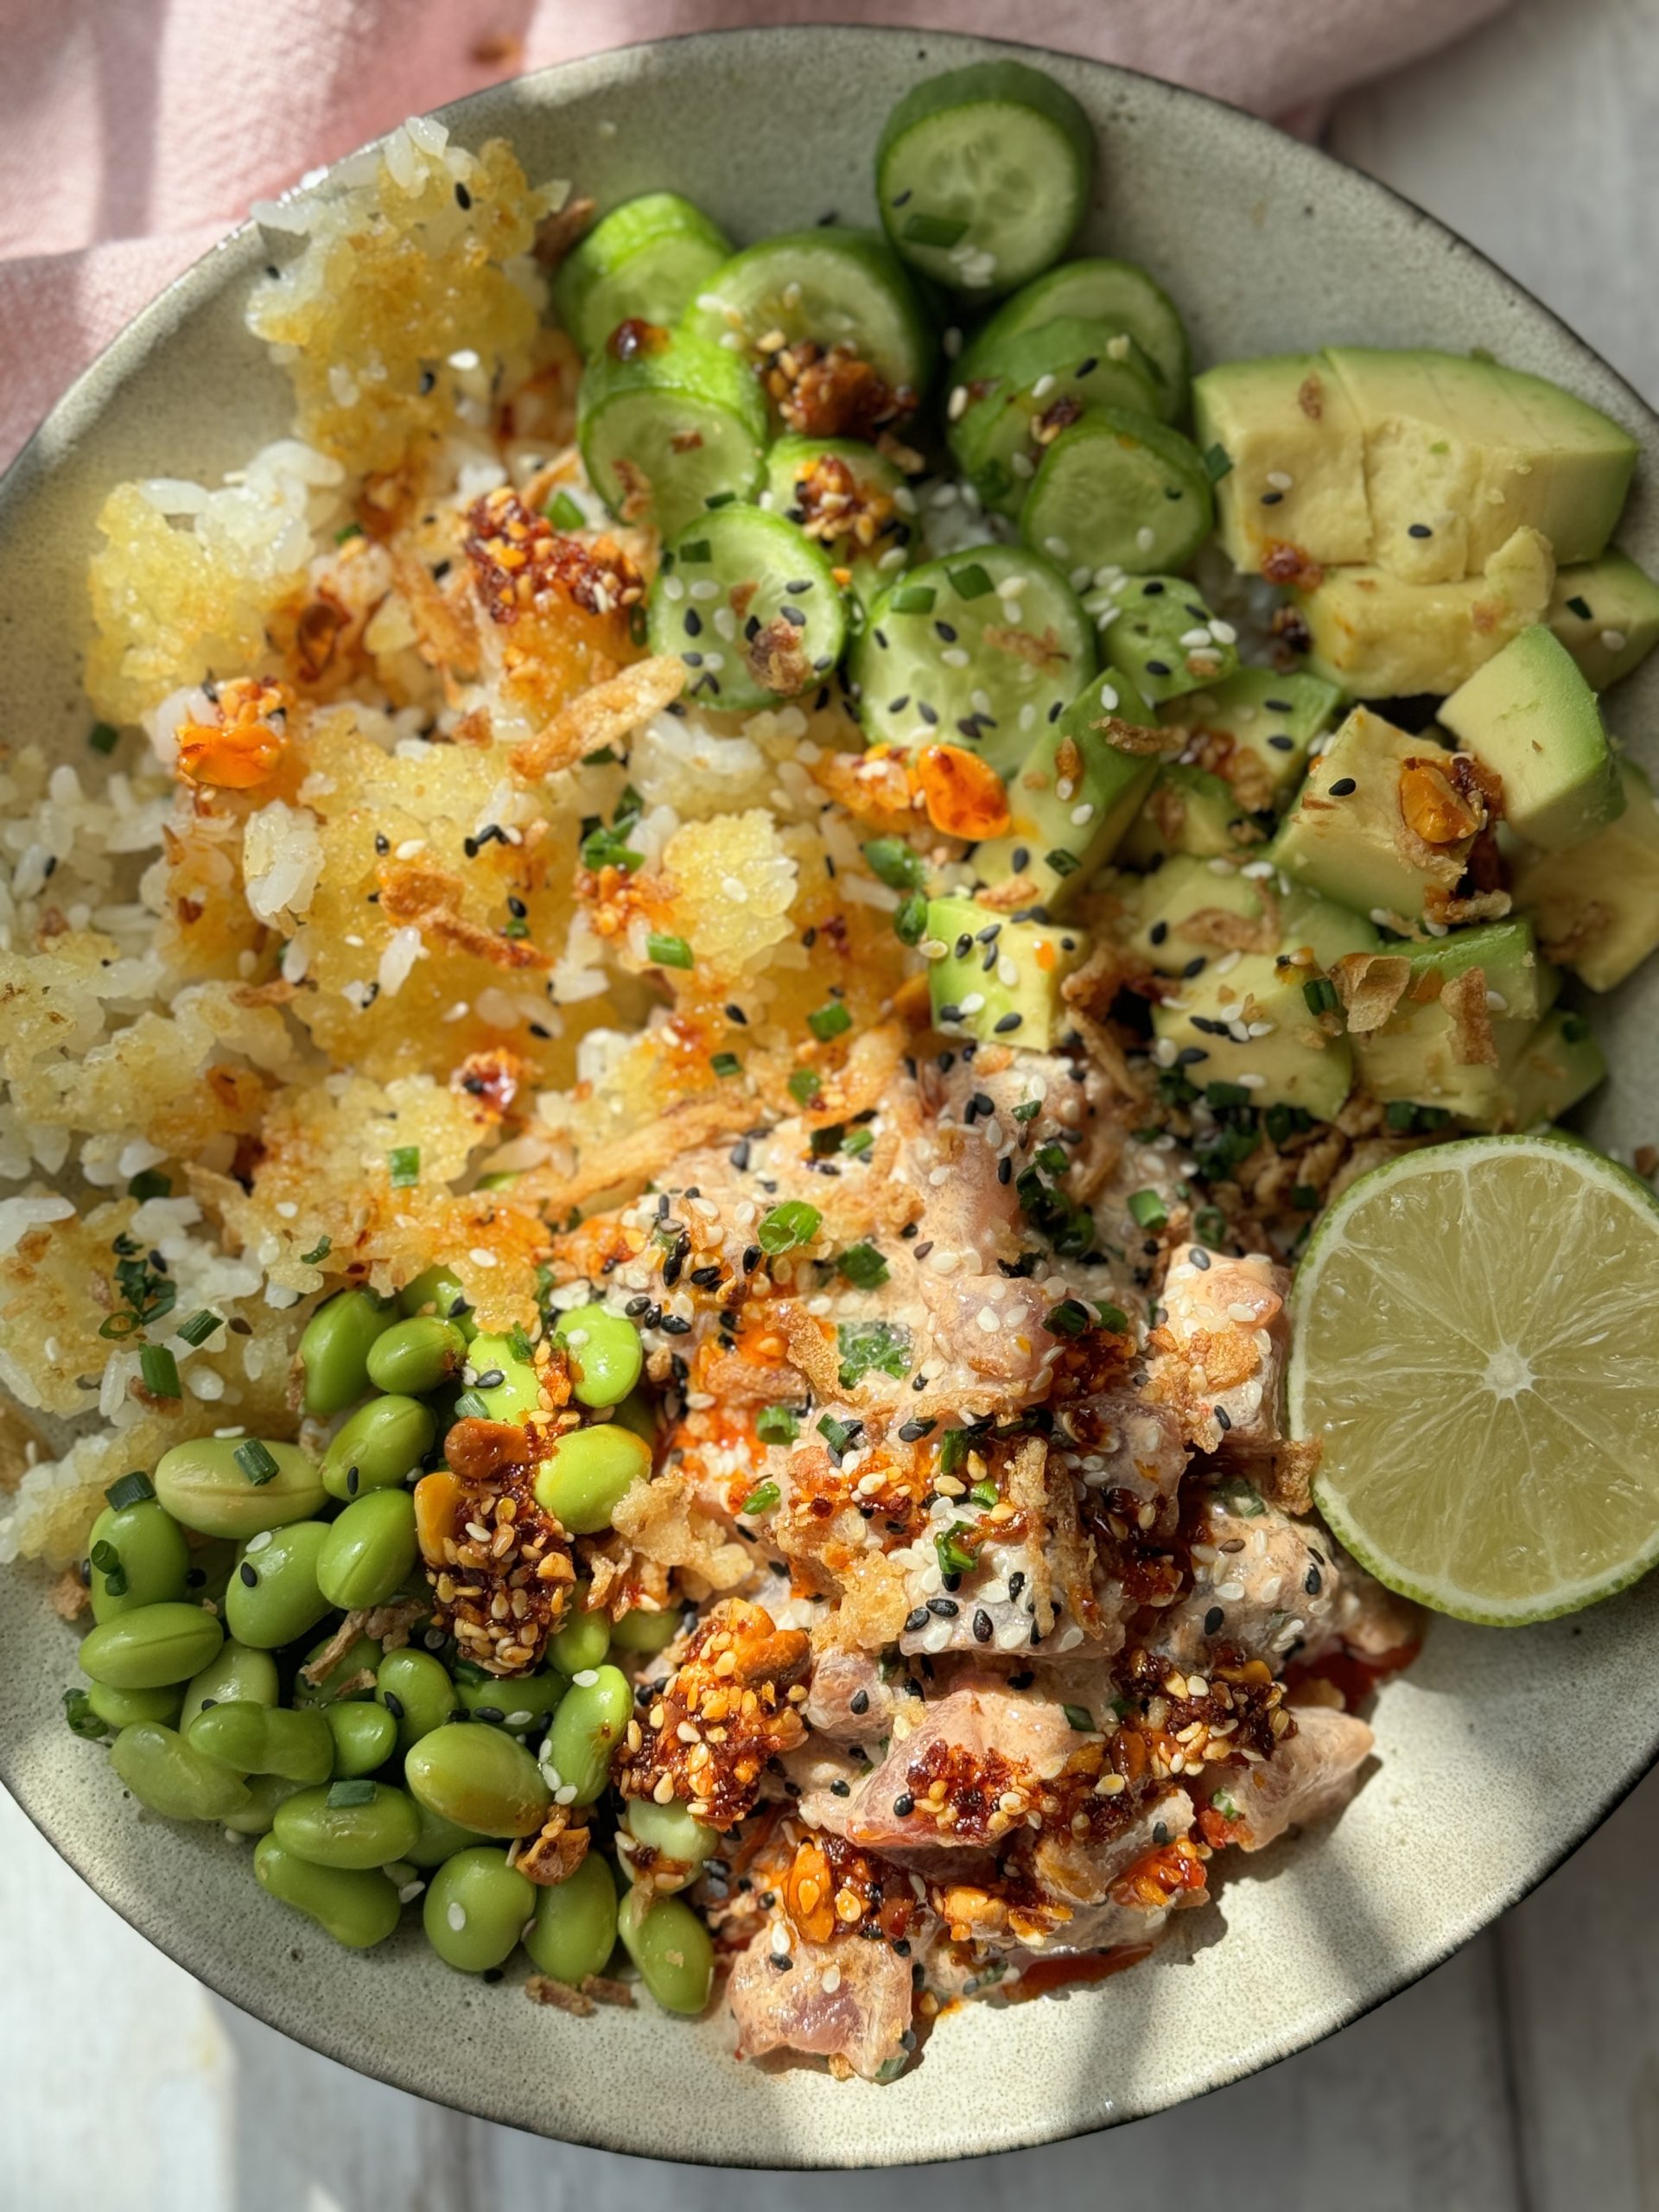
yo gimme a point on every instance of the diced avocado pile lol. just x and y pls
(1354, 847)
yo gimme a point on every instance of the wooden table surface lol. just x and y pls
(1521, 2078)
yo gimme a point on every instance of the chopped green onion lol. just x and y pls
(913, 598)
(348, 530)
(565, 514)
(102, 737)
(1031, 1108)
(343, 1794)
(318, 1252)
(107, 1560)
(954, 1557)
(1148, 1210)
(857, 1142)
(863, 1267)
(257, 1461)
(983, 1493)
(1226, 1094)
(519, 1344)
(941, 231)
(1069, 1318)
(871, 1348)
(971, 580)
(895, 863)
(725, 1064)
(83, 1721)
(1575, 1029)
(1321, 995)
(787, 1226)
(470, 1407)
(1210, 1226)
(1080, 1717)
(777, 1425)
(831, 1020)
(837, 1435)
(953, 1450)
(405, 1162)
(669, 951)
(1053, 1159)
(804, 1084)
(761, 1499)
(720, 499)
(150, 1184)
(699, 551)
(910, 919)
(603, 847)
(1112, 1317)
(135, 1488)
(1304, 1198)
(197, 1330)
(1217, 463)
(159, 1370)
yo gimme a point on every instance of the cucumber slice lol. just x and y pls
(750, 605)
(834, 287)
(850, 499)
(1100, 289)
(1020, 396)
(980, 648)
(982, 175)
(1118, 490)
(645, 261)
(668, 429)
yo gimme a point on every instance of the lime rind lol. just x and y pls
(1599, 1479)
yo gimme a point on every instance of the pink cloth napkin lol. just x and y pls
(135, 133)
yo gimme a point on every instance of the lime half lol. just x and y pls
(1475, 1346)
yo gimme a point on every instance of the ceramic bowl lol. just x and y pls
(1495, 1755)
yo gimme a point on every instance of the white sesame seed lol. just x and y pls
(1614, 640)
(1145, 538)
(1279, 480)
(456, 1917)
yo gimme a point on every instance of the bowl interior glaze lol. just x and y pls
(1497, 1754)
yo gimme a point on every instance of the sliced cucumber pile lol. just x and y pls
(1112, 292)
(667, 423)
(1012, 400)
(751, 606)
(643, 262)
(981, 649)
(1117, 490)
(982, 176)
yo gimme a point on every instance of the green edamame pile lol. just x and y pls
(374, 1777)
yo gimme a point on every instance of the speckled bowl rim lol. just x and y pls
(84, 401)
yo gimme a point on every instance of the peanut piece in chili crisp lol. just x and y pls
(732, 1705)
(500, 1564)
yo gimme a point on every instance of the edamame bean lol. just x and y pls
(151, 1647)
(669, 1832)
(357, 1910)
(361, 1656)
(475, 1909)
(377, 1446)
(334, 1349)
(365, 1736)
(121, 1708)
(587, 1729)
(517, 1702)
(575, 1929)
(368, 1550)
(585, 1637)
(205, 1484)
(236, 1673)
(439, 1291)
(251, 1738)
(163, 1772)
(604, 1352)
(645, 1632)
(351, 1824)
(638, 1413)
(416, 1689)
(514, 1393)
(438, 1840)
(481, 1778)
(137, 1555)
(266, 1793)
(415, 1355)
(672, 1948)
(586, 1474)
(274, 1596)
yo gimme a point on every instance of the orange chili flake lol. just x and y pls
(243, 745)
(963, 795)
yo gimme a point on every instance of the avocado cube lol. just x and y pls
(1246, 1019)
(1529, 715)
(1187, 810)
(1382, 639)
(1159, 632)
(1265, 723)
(1296, 478)
(1560, 1064)
(1346, 838)
(1074, 795)
(1414, 1055)
(1163, 904)
(1606, 613)
(999, 977)
(1596, 906)
(1460, 453)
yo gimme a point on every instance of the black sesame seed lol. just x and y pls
(1312, 1581)
(1213, 1620)
(1343, 786)
(903, 1805)
(982, 1626)
(946, 1608)
(916, 1620)
(1419, 529)
(249, 1574)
